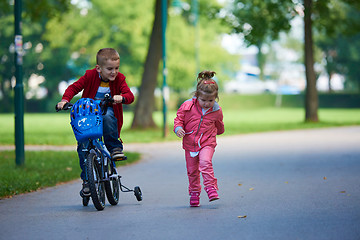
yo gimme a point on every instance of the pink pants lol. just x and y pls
(202, 163)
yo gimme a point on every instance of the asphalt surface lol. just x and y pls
(302, 184)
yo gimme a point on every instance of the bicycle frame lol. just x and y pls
(101, 151)
(99, 148)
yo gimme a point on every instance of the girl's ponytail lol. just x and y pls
(206, 85)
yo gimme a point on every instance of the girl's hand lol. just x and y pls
(180, 133)
(118, 99)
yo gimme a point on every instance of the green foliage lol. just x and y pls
(340, 43)
(44, 9)
(342, 55)
(61, 40)
(182, 37)
(123, 25)
(261, 20)
(42, 169)
(34, 19)
(337, 16)
(6, 58)
(336, 24)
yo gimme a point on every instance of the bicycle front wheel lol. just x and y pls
(112, 186)
(96, 186)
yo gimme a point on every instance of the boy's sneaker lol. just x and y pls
(85, 191)
(117, 154)
(194, 199)
(212, 194)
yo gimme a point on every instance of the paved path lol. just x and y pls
(300, 184)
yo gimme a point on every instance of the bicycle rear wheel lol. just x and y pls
(112, 186)
(96, 186)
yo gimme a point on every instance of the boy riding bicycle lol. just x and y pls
(105, 78)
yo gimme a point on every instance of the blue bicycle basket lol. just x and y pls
(86, 119)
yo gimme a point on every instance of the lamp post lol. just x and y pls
(19, 87)
(195, 22)
(165, 90)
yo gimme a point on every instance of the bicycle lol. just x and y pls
(100, 170)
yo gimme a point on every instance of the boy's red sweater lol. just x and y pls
(90, 83)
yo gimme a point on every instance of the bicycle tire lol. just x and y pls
(112, 187)
(96, 186)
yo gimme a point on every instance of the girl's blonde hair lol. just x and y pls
(106, 54)
(206, 85)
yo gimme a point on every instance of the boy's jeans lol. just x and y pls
(110, 135)
(202, 163)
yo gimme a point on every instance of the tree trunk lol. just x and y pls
(261, 61)
(311, 97)
(145, 104)
(331, 74)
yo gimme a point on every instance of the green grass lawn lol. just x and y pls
(55, 129)
(275, 119)
(42, 169)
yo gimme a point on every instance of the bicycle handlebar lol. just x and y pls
(107, 99)
(103, 104)
(67, 106)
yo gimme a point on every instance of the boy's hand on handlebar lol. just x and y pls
(118, 98)
(61, 104)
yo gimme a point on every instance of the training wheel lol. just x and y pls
(137, 193)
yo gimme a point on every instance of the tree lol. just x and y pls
(322, 13)
(34, 19)
(260, 22)
(62, 46)
(146, 100)
(84, 30)
(340, 44)
(182, 47)
(316, 12)
(311, 98)
(181, 61)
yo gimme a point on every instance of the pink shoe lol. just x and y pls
(212, 194)
(194, 199)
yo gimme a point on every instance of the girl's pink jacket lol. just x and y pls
(200, 130)
(90, 83)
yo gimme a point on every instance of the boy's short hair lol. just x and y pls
(106, 54)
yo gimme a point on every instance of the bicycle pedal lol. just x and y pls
(114, 176)
(120, 159)
(82, 194)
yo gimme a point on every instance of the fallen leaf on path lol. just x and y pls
(342, 191)
(242, 216)
(250, 189)
(239, 184)
(286, 182)
(325, 178)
